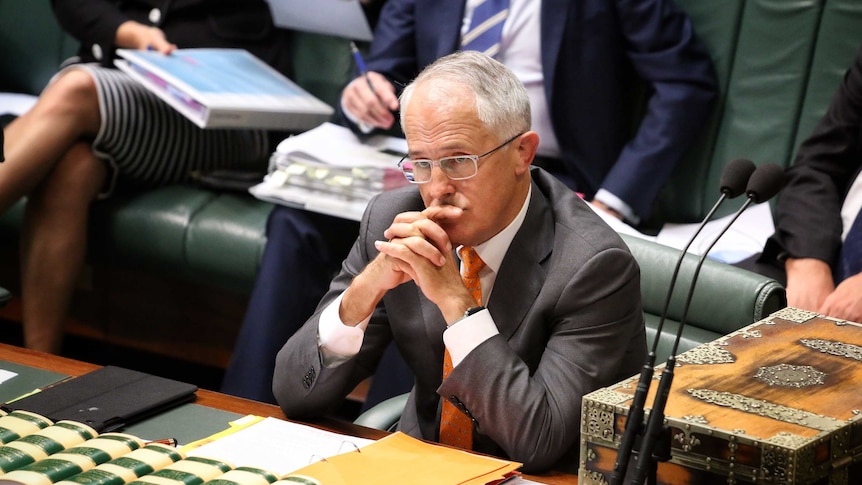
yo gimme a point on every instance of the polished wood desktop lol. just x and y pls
(225, 402)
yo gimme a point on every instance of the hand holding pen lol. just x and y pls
(370, 98)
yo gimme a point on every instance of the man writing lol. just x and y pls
(507, 296)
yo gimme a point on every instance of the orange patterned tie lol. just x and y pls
(456, 428)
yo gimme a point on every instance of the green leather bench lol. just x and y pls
(778, 63)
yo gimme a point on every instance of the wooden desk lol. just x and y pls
(225, 402)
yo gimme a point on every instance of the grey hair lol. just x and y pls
(501, 100)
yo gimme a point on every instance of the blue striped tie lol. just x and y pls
(851, 251)
(486, 27)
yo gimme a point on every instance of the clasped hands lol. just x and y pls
(418, 249)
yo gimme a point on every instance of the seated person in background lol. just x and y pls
(577, 61)
(93, 126)
(548, 308)
(817, 246)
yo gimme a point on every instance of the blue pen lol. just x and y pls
(360, 64)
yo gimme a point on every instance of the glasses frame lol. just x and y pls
(474, 158)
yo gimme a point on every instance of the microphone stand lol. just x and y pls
(634, 421)
(655, 427)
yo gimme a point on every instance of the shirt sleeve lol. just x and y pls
(466, 334)
(338, 342)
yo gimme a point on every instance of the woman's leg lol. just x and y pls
(54, 244)
(67, 111)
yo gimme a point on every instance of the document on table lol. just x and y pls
(278, 446)
(745, 237)
(330, 170)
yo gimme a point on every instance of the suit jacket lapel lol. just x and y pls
(513, 294)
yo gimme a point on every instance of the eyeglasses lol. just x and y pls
(459, 167)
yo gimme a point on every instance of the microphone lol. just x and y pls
(733, 182)
(764, 183)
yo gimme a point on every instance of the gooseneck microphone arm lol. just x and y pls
(765, 182)
(733, 182)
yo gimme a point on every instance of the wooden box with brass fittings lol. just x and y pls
(777, 402)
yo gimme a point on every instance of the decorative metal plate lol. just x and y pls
(788, 375)
(711, 353)
(832, 347)
(767, 409)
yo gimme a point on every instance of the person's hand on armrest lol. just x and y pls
(809, 282)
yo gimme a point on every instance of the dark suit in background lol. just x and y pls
(592, 51)
(566, 303)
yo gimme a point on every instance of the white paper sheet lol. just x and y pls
(745, 237)
(278, 446)
(15, 103)
(341, 18)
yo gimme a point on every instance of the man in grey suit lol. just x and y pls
(563, 314)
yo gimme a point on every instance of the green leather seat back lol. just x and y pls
(322, 65)
(726, 298)
(763, 75)
(27, 28)
(778, 64)
(717, 24)
(833, 55)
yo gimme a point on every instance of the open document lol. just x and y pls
(225, 88)
(331, 171)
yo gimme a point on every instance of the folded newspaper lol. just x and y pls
(329, 170)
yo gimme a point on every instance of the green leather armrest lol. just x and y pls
(384, 415)
(726, 298)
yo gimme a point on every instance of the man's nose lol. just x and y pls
(440, 183)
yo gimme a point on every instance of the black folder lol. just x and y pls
(107, 399)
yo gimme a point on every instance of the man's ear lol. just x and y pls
(527, 145)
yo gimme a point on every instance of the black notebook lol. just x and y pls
(107, 399)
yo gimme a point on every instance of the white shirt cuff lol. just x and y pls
(466, 334)
(617, 204)
(363, 127)
(338, 342)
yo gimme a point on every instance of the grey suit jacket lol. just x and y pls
(566, 302)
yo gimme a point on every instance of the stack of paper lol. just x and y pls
(299, 453)
(225, 88)
(329, 170)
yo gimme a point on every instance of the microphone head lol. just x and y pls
(765, 182)
(735, 177)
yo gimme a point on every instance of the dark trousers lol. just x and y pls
(303, 252)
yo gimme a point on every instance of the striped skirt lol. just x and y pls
(147, 143)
